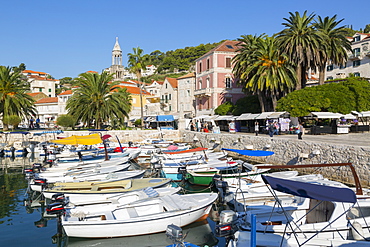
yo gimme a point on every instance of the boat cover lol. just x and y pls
(80, 140)
(250, 152)
(311, 190)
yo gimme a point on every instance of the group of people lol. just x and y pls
(200, 126)
(273, 128)
(34, 124)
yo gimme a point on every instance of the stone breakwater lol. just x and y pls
(294, 151)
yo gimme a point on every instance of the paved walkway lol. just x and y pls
(352, 139)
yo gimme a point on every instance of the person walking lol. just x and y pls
(271, 129)
(256, 128)
(300, 131)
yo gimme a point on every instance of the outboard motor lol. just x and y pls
(220, 186)
(227, 225)
(37, 167)
(56, 208)
(41, 181)
(59, 197)
(182, 171)
(174, 233)
(130, 143)
(29, 172)
(12, 150)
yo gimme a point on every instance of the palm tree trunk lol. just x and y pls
(260, 99)
(322, 74)
(299, 77)
(141, 102)
(274, 101)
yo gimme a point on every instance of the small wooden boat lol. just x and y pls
(142, 217)
(89, 189)
(37, 184)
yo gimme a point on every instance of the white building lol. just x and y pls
(169, 96)
(41, 82)
(358, 63)
(62, 101)
(186, 100)
(47, 109)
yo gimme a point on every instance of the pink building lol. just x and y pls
(215, 83)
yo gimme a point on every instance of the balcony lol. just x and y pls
(204, 92)
(356, 56)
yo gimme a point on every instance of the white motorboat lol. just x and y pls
(319, 212)
(109, 203)
(142, 217)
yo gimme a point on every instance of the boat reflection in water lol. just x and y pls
(199, 233)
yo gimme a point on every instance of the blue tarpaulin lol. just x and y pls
(165, 118)
(311, 190)
(250, 152)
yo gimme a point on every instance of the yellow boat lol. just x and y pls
(91, 189)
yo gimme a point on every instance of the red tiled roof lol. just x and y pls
(187, 76)
(33, 94)
(134, 90)
(90, 71)
(172, 81)
(41, 78)
(226, 46)
(33, 72)
(47, 100)
(67, 92)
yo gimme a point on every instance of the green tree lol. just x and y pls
(225, 108)
(20, 68)
(333, 46)
(300, 41)
(14, 99)
(137, 64)
(97, 100)
(367, 28)
(248, 104)
(66, 121)
(13, 120)
(268, 71)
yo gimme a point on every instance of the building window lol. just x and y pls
(228, 62)
(40, 89)
(166, 85)
(357, 38)
(188, 93)
(207, 64)
(200, 67)
(49, 90)
(356, 52)
(169, 97)
(329, 68)
(170, 108)
(357, 74)
(207, 81)
(200, 84)
(228, 82)
(356, 63)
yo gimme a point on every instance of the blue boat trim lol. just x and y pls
(250, 152)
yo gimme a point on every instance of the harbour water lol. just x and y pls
(23, 221)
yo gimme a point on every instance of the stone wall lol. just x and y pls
(293, 152)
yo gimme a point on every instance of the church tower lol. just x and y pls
(117, 68)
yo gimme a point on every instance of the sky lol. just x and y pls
(67, 38)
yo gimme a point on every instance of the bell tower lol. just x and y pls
(117, 68)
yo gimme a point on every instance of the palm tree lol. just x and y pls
(97, 100)
(14, 99)
(334, 44)
(136, 63)
(300, 42)
(268, 72)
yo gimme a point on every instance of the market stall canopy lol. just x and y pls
(278, 114)
(349, 116)
(206, 117)
(225, 117)
(325, 115)
(264, 115)
(244, 116)
(80, 140)
(362, 114)
(165, 118)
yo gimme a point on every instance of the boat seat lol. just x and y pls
(150, 192)
(132, 212)
(128, 185)
(170, 204)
